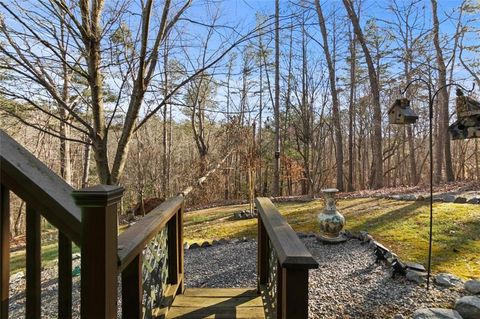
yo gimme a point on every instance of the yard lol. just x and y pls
(400, 225)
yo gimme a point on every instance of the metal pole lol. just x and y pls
(430, 105)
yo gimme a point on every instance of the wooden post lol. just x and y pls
(294, 293)
(64, 276)
(180, 250)
(262, 254)
(173, 251)
(4, 250)
(99, 250)
(280, 292)
(132, 291)
(33, 263)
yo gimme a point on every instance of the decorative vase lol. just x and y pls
(331, 222)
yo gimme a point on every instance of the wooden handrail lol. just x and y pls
(290, 250)
(133, 240)
(36, 184)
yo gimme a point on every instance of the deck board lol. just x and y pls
(218, 303)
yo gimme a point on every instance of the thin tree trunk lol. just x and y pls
(443, 142)
(377, 155)
(335, 102)
(276, 174)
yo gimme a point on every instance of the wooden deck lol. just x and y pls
(218, 303)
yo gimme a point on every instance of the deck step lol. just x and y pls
(225, 303)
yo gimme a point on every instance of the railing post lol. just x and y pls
(99, 250)
(64, 276)
(132, 291)
(33, 263)
(294, 294)
(4, 249)
(262, 256)
(175, 250)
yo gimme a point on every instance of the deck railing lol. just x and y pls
(151, 261)
(47, 195)
(148, 256)
(282, 264)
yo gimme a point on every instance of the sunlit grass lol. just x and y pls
(400, 225)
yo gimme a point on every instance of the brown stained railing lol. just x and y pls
(150, 258)
(47, 195)
(282, 264)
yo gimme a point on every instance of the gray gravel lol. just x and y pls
(348, 283)
(222, 266)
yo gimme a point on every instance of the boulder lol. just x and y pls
(436, 313)
(447, 280)
(416, 276)
(186, 246)
(468, 307)
(472, 286)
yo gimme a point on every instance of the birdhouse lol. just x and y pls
(402, 113)
(468, 118)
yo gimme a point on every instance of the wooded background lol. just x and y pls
(152, 94)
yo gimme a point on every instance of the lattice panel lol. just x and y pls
(272, 277)
(154, 272)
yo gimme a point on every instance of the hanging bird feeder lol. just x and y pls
(401, 112)
(468, 118)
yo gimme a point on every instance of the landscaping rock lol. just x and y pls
(420, 198)
(76, 256)
(186, 246)
(460, 200)
(215, 242)
(415, 266)
(436, 313)
(472, 286)
(416, 276)
(194, 246)
(468, 307)
(474, 200)
(448, 198)
(206, 244)
(447, 280)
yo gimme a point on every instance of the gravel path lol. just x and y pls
(347, 284)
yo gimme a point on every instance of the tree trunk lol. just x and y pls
(377, 155)
(335, 102)
(443, 141)
(276, 173)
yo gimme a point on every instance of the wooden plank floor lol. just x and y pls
(218, 303)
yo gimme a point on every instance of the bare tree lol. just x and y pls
(333, 91)
(375, 91)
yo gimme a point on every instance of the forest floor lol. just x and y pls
(402, 226)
